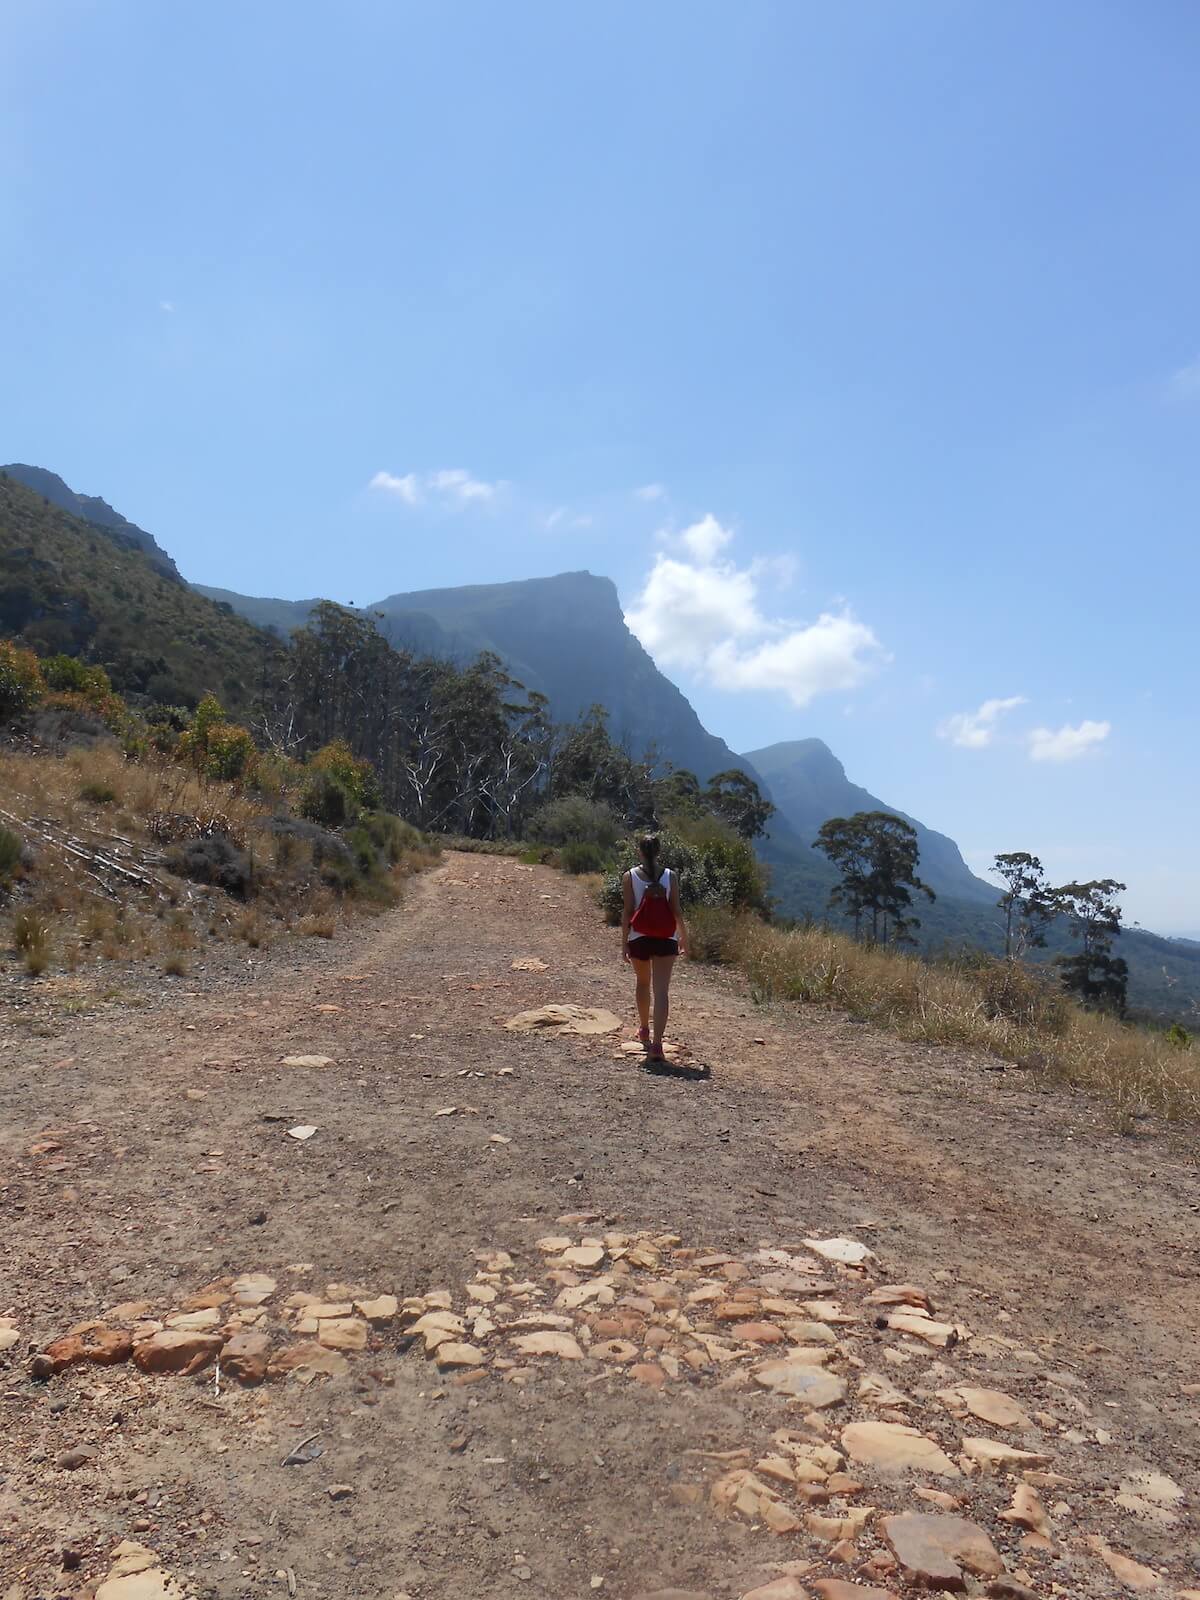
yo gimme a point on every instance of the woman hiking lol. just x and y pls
(652, 935)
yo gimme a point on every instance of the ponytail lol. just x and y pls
(648, 847)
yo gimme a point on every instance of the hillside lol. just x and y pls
(65, 586)
(90, 508)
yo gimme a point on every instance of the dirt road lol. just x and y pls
(629, 1372)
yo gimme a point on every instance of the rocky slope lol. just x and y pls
(90, 508)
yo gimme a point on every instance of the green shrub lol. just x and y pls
(327, 801)
(215, 860)
(352, 773)
(392, 837)
(98, 794)
(716, 869)
(21, 681)
(574, 819)
(583, 856)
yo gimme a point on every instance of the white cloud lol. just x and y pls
(406, 488)
(166, 305)
(684, 612)
(650, 491)
(460, 485)
(834, 652)
(449, 485)
(704, 615)
(705, 539)
(973, 730)
(1067, 743)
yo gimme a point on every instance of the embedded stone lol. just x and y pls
(246, 1357)
(308, 1356)
(759, 1333)
(306, 1061)
(938, 1334)
(993, 1453)
(1027, 1511)
(893, 1448)
(785, 1588)
(1128, 1572)
(252, 1288)
(875, 1389)
(798, 1380)
(379, 1311)
(989, 1405)
(834, 1529)
(620, 1350)
(215, 1293)
(900, 1294)
(455, 1354)
(563, 1019)
(847, 1252)
(584, 1255)
(932, 1550)
(195, 1321)
(549, 1344)
(839, 1589)
(177, 1350)
(342, 1333)
(810, 1333)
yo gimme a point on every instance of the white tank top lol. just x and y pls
(641, 884)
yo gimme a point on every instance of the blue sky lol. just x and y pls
(890, 311)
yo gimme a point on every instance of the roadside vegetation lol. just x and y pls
(146, 836)
(1038, 1016)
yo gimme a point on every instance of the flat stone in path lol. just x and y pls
(933, 1550)
(564, 1019)
(839, 1589)
(800, 1381)
(893, 1448)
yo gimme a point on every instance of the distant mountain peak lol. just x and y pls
(809, 785)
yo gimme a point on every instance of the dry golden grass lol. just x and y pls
(74, 914)
(1002, 1008)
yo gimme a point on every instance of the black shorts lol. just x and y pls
(642, 948)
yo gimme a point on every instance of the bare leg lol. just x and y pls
(642, 973)
(663, 966)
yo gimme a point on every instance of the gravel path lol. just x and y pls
(145, 1154)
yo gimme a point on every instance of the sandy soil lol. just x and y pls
(145, 1153)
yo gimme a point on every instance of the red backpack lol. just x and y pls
(654, 918)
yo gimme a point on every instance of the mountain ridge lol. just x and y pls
(90, 508)
(809, 785)
(558, 635)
